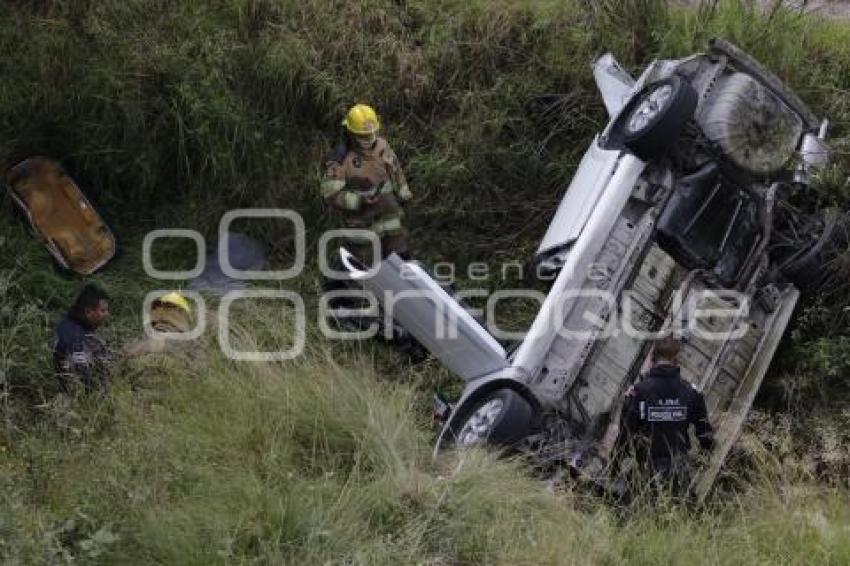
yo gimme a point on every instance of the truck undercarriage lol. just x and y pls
(678, 220)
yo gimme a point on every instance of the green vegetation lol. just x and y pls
(169, 113)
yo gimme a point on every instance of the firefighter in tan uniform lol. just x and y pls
(364, 182)
(170, 313)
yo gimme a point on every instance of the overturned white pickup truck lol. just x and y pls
(677, 219)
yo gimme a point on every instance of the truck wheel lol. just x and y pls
(811, 249)
(501, 417)
(656, 116)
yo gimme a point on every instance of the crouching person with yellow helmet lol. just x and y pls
(365, 184)
(170, 313)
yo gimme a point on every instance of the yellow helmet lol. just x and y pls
(175, 299)
(362, 120)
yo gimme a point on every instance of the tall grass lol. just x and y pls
(208, 461)
(169, 113)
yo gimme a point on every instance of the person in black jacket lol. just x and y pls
(658, 413)
(79, 356)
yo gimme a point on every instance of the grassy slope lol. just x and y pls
(175, 111)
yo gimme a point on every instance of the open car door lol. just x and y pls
(61, 216)
(415, 301)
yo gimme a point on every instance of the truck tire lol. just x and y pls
(750, 125)
(822, 241)
(501, 417)
(656, 116)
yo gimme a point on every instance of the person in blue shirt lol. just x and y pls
(658, 414)
(80, 357)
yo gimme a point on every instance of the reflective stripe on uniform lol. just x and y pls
(352, 201)
(331, 186)
(404, 192)
(391, 224)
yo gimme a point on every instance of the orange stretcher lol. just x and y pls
(61, 216)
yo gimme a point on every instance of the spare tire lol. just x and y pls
(654, 118)
(750, 125)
